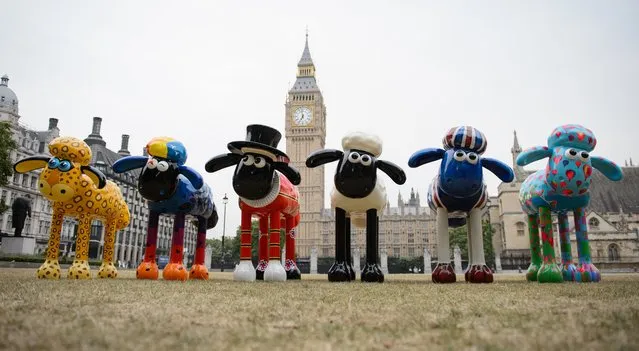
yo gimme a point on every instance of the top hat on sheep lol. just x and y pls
(260, 139)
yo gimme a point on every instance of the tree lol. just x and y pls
(459, 237)
(7, 145)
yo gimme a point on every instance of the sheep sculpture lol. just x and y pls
(266, 185)
(81, 191)
(172, 188)
(458, 194)
(358, 197)
(559, 188)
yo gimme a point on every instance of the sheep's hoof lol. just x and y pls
(372, 273)
(338, 272)
(244, 271)
(259, 271)
(292, 272)
(479, 273)
(147, 270)
(570, 273)
(589, 273)
(444, 273)
(531, 273)
(550, 273)
(274, 272)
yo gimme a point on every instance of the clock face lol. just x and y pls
(302, 116)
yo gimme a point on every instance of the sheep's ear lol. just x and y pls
(30, 163)
(289, 172)
(394, 172)
(128, 163)
(425, 156)
(192, 175)
(321, 157)
(98, 178)
(607, 167)
(500, 169)
(222, 161)
(533, 154)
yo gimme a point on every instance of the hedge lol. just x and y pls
(40, 259)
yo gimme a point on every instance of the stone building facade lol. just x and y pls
(130, 242)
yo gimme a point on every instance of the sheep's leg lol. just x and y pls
(589, 273)
(569, 270)
(372, 271)
(469, 244)
(80, 268)
(478, 271)
(444, 271)
(199, 269)
(245, 270)
(549, 272)
(107, 268)
(262, 249)
(50, 269)
(292, 271)
(535, 248)
(148, 269)
(338, 271)
(175, 269)
(274, 271)
(347, 248)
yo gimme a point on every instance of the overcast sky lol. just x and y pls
(200, 71)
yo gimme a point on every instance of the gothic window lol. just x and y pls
(411, 252)
(396, 251)
(613, 252)
(593, 222)
(326, 251)
(520, 228)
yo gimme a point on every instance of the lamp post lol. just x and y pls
(225, 200)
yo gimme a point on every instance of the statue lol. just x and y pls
(20, 210)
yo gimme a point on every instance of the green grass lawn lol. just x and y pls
(405, 312)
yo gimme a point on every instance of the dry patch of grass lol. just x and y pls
(405, 312)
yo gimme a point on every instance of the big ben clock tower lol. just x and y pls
(305, 124)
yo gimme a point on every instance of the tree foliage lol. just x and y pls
(7, 145)
(459, 237)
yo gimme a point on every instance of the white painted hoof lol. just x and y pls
(244, 271)
(275, 272)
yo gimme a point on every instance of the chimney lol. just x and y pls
(97, 123)
(53, 123)
(95, 137)
(124, 149)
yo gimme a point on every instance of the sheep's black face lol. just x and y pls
(253, 177)
(159, 179)
(356, 174)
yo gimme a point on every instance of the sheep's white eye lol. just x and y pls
(366, 160)
(260, 162)
(459, 156)
(571, 154)
(152, 163)
(472, 158)
(163, 166)
(248, 160)
(584, 156)
(353, 157)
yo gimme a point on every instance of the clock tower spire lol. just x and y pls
(305, 132)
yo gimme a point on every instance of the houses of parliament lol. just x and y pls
(406, 227)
